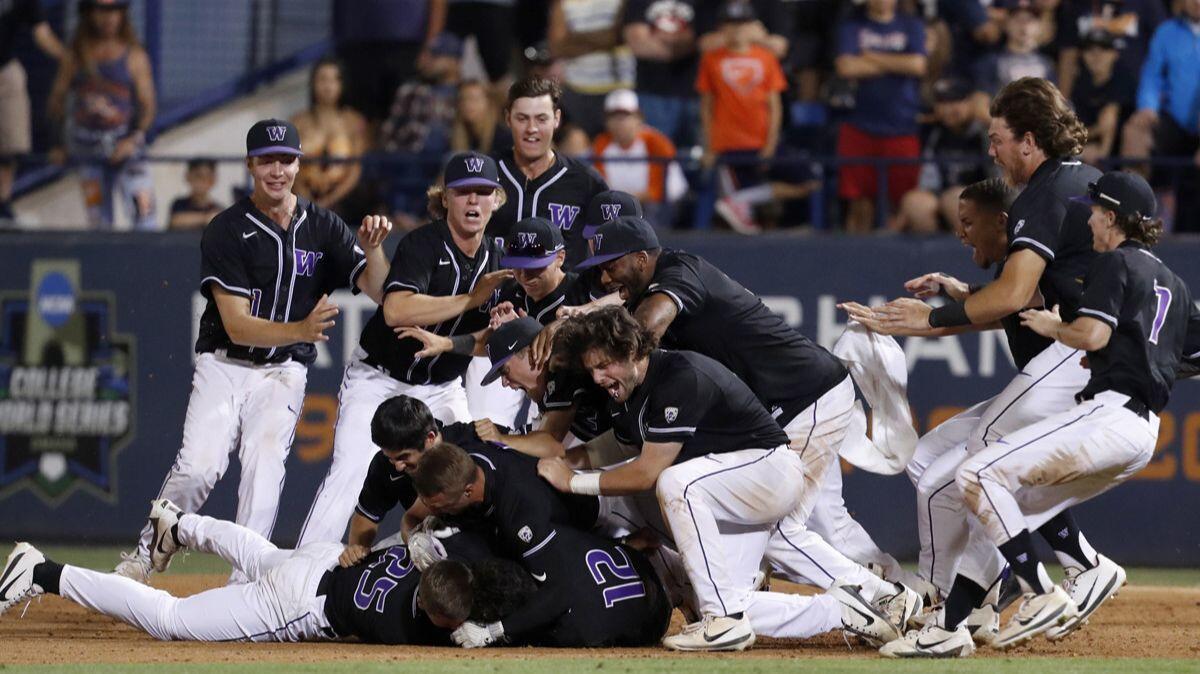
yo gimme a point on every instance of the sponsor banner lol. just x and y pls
(96, 337)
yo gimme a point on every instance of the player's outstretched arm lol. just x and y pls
(873, 322)
(1085, 332)
(542, 443)
(406, 308)
(248, 330)
(371, 234)
(634, 477)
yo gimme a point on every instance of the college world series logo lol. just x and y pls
(66, 386)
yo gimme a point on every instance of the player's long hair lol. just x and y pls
(498, 587)
(1033, 105)
(87, 35)
(1142, 228)
(611, 329)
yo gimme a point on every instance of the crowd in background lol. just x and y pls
(752, 97)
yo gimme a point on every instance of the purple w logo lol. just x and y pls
(610, 212)
(276, 133)
(474, 164)
(562, 215)
(306, 262)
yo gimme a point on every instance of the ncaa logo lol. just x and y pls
(526, 239)
(610, 211)
(474, 164)
(55, 299)
(277, 133)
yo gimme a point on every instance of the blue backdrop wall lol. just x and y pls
(95, 367)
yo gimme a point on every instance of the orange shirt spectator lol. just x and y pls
(627, 136)
(742, 83)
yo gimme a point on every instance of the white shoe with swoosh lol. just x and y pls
(16, 581)
(713, 633)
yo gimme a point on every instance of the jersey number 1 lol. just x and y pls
(1163, 296)
(626, 583)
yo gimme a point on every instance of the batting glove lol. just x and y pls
(425, 549)
(477, 635)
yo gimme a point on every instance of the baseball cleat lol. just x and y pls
(984, 625)
(861, 617)
(902, 607)
(714, 633)
(164, 519)
(16, 582)
(931, 641)
(133, 566)
(1037, 613)
(1088, 589)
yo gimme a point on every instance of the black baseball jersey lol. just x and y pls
(282, 272)
(520, 510)
(573, 291)
(376, 601)
(1045, 220)
(596, 593)
(1190, 366)
(721, 319)
(1024, 343)
(385, 487)
(559, 195)
(1149, 310)
(690, 398)
(428, 262)
(567, 387)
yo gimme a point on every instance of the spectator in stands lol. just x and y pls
(883, 50)
(1101, 99)
(586, 36)
(741, 110)
(419, 124)
(811, 55)
(1130, 24)
(955, 154)
(769, 29)
(15, 136)
(663, 37)
(197, 208)
(330, 131)
(477, 123)
(573, 141)
(490, 22)
(382, 43)
(107, 73)
(1168, 113)
(658, 185)
(1020, 56)
(974, 31)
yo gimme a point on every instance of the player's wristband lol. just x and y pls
(586, 483)
(463, 345)
(949, 315)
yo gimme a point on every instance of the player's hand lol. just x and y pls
(434, 345)
(556, 471)
(487, 285)
(543, 343)
(865, 316)
(928, 285)
(905, 313)
(320, 319)
(352, 555)
(486, 430)
(477, 635)
(503, 313)
(1045, 323)
(372, 232)
(425, 549)
(564, 313)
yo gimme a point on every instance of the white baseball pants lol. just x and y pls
(236, 405)
(363, 389)
(278, 604)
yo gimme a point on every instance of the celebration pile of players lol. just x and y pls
(656, 438)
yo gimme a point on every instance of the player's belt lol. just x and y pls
(1133, 405)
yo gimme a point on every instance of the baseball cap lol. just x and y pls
(114, 4)
(507, 340)
(471, 169)
(621, 100)
(1124, 192)
(447, 44)
(951, 89)
(627, 234)
(1098, 38)
(738, 11)
(273, 136)
(606, 206)
(1014, 6)
(533, 243)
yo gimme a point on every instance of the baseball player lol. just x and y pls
(288, 595)
(690, 304)
(1132, 321)
(712, 452)
(268, 264)
(444, 276)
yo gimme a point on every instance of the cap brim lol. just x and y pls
(494, 373)
(599, 259)
(473, 182)
(1085, 199)
(527, 262)
(274, 149)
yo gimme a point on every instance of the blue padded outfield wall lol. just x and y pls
(95, 370)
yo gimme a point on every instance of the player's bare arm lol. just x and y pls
(248, 330)
(638, 475)
(928, 285)
(545, 442)
(435, 345)
(406, 308)
(873, 322)
(371, 234)
(656, 312)
(606, 300)
(1085, 332)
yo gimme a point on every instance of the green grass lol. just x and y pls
(664, 665)
(104, 558)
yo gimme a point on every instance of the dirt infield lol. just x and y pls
(1143, 622)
